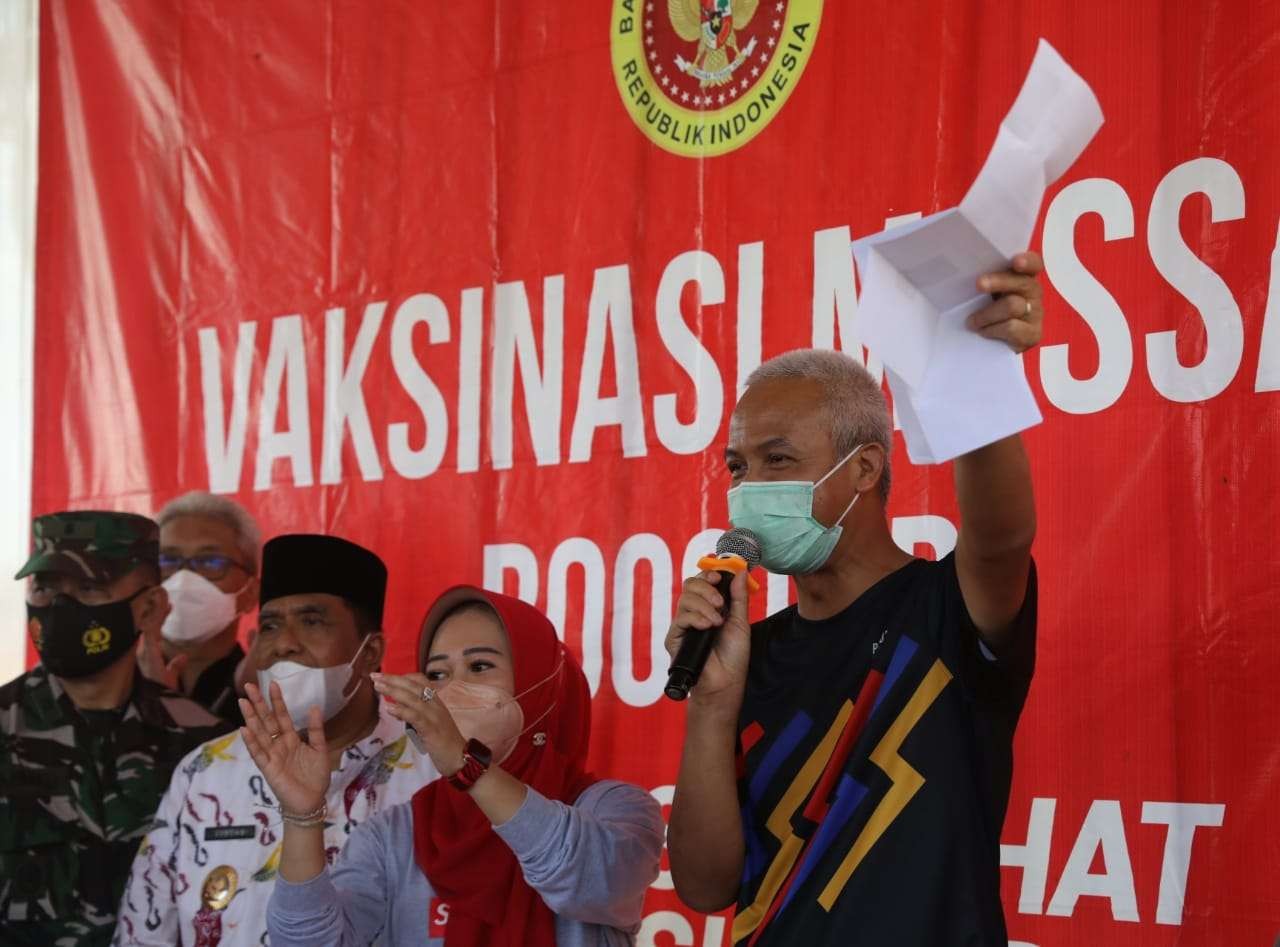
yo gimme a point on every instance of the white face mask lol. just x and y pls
(305, 687)
(198, 608)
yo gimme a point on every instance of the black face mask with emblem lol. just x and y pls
(75, 640)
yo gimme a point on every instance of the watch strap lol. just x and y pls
(476, 758)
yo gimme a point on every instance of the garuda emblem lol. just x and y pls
(714, 26)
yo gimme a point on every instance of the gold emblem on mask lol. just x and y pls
(219, 888)
(96, 640)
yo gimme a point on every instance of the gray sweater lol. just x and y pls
(591, 863)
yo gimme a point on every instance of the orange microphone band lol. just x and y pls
(729, 563)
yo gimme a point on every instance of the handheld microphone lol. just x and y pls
(738, 550)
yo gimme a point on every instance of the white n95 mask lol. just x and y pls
(198, 609)
(305, 687)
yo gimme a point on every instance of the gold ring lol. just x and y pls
(1027, 314)
(275, 735)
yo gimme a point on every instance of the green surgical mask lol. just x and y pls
(780, 513)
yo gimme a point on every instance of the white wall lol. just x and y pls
(18, 28)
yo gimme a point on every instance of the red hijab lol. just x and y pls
(468, 865)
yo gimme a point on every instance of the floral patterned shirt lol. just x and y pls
(205, 871)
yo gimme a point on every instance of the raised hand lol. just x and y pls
(411, 698)
(152, 664)
(296, 771)
(698, 612)
(1016, 317)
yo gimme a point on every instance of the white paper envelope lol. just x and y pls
(954, 390)
(968, 381)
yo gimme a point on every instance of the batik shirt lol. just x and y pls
(204, 873)
(78, 790)
(877, 751)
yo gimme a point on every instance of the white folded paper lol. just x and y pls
(955, 391)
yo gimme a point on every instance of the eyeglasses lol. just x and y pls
(210, 565)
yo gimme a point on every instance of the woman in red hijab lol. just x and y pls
(515, 844)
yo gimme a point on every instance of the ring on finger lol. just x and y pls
(428, 694)
(1027, 314)
(275, 736)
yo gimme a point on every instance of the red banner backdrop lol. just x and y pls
(476, 285)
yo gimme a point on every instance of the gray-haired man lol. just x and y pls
(847, 760)
(209, 552)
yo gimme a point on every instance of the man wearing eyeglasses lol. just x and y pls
(209, 567)
(87, 745)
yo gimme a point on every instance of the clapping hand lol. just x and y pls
(296, 770)
(411, 698)
(151, 662)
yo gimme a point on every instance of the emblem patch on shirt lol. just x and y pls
(219, 888)
(229, 833)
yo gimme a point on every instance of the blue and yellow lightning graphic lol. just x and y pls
(906, 780)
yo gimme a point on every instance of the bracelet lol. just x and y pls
(307, 820)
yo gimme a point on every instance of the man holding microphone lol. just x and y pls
(847, 761)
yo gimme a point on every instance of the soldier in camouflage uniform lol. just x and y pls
(87, 745)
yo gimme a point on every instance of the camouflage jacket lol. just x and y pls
(77, 793)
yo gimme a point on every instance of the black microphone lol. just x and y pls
(738, 550)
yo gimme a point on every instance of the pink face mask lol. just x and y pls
(491, 714)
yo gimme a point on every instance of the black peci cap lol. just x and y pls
(307, 564)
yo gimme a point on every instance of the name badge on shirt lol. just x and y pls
(437, 917)
(228, 833)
